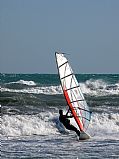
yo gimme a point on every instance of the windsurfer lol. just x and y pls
(66, 122)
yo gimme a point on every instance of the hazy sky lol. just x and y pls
(32, 30)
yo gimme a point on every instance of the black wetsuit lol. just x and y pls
(66, 122)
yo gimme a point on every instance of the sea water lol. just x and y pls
(30, 127)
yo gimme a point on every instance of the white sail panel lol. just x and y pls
(67, 83)
(63, 71)
(61, 59)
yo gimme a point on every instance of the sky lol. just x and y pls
(32, 30)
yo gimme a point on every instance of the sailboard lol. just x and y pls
(76, 102)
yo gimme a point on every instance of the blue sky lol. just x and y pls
(32, 30)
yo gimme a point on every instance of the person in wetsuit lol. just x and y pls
(66, 122)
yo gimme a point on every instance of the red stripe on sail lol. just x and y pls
(73, 111)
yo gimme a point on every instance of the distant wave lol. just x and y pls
(99, 88)
(29, 83)
(36, 90)
(90, 87)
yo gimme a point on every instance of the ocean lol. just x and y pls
(30, 127)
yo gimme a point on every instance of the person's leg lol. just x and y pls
(73, 128)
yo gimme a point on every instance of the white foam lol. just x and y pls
(99, 88)
(46, 123)
(29, 83)
(23, 125)
(91, 87)
(36, 90)
(105, 126)
(106, 122)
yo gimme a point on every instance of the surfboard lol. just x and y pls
(76, 102)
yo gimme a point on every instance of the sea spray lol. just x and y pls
(47, 123)
(26, 125)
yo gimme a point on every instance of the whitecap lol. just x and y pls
(29, 83)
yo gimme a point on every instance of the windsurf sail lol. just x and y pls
(72, 92)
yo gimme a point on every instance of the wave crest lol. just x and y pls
(23, 125)
(46, 123)
(99, 88)
(28, 83)
(90, 87)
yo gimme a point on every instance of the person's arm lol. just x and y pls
(68, 116)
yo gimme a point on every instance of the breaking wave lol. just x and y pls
(36, 90)
(28, 83)
(99, 88)
(47, 123)
(90, 87)
(23, 125)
